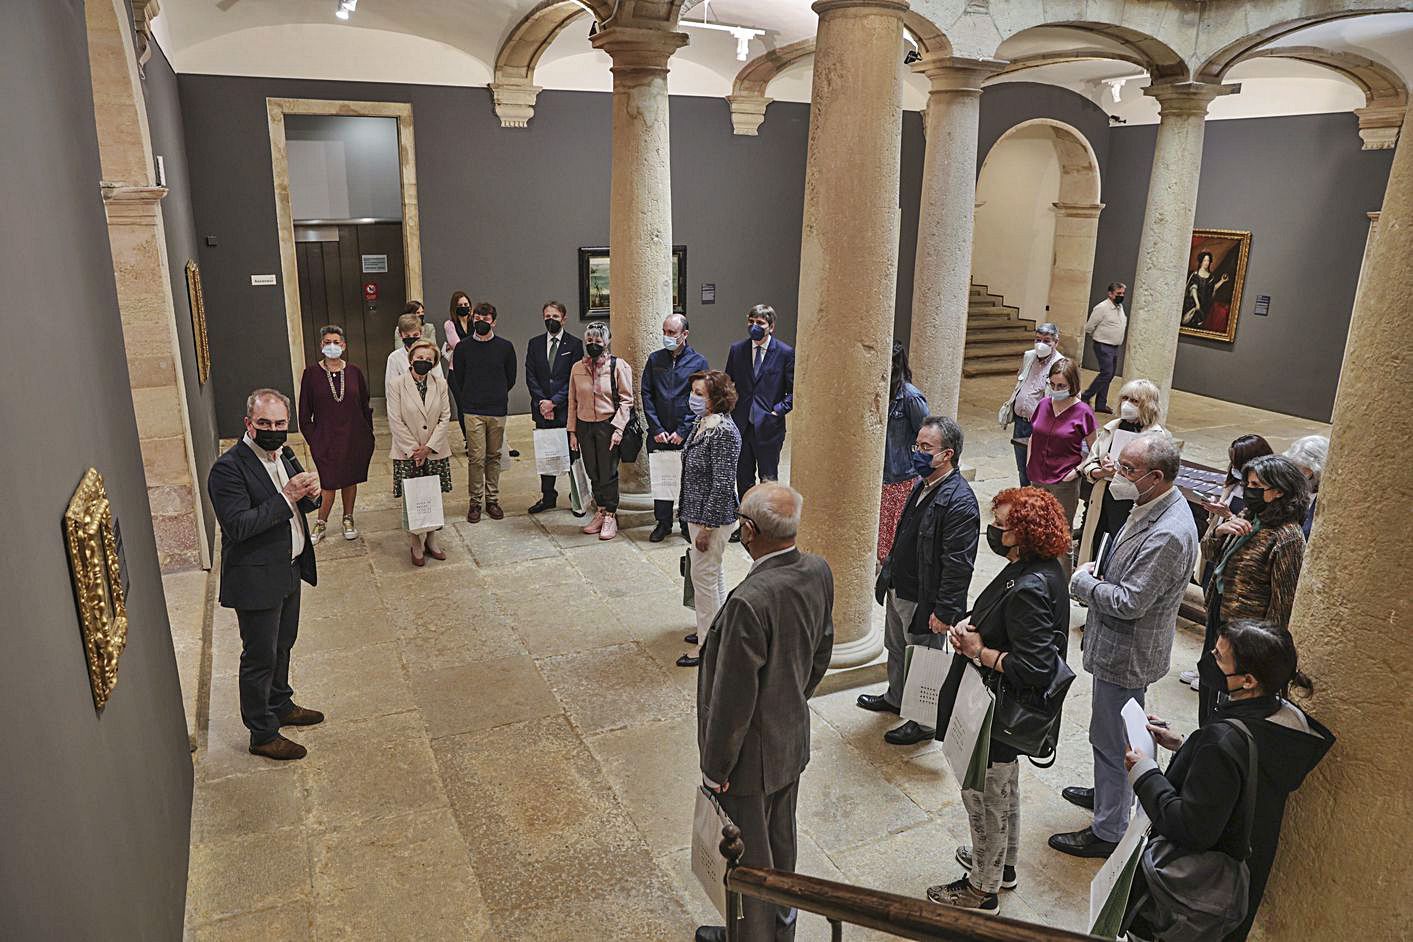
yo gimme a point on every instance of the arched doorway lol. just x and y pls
(1037, 219)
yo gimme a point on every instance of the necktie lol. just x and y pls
(755, 371)
(554, 350)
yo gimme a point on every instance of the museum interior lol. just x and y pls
(510, 745)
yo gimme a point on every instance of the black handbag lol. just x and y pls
(631, 444)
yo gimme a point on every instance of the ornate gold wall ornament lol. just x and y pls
(198, 321)
(98, 585)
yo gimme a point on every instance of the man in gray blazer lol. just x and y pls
(1133, 593)
(765, 652)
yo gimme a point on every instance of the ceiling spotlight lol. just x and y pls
(345, 8)
(341, 13)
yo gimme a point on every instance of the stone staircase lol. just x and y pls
(996, 335)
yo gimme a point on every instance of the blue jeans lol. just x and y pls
(1112, 795)
(1021, 434)
(1108, 356)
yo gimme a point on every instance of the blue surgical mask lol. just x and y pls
(757, 332)
(669, 342)
(697, 404)
(922, 464)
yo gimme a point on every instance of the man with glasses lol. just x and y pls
(923, 583)
(1133, 591)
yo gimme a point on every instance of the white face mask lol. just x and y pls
(1057, 394)
(1128, 411)
(333, 351)
(1124, 489)
(1043, 350)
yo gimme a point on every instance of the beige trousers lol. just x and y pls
(485, 437)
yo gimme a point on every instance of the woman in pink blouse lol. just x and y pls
(1061, 428)
(596, 422)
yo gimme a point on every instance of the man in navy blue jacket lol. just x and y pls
(667, 392)
(548, 360)
(763, 369)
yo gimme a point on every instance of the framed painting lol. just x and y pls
(97, 573)
(594, 282)
(1216, 274)
(198, 321)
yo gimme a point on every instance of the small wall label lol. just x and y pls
(374, 264)
(1263, 305)
(257, 280)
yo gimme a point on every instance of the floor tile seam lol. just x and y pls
(232, 917)
(312, 828)
(868, 842)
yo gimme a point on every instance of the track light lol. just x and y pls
(345, 8)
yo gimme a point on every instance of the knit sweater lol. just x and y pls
(1259, 576)
(709, 459)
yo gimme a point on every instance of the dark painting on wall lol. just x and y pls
(1216, 273)
(594, 282)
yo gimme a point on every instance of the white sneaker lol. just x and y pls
(350, 532)
(1189, 678)
(317, 533)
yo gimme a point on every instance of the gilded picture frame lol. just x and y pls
(197, 298)
(594, 281)
(98, 585)
(1216, 275)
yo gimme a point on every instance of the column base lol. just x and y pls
(634, 510)
(860, 651)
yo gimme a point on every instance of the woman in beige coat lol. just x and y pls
(419, 412)
(1138, 414)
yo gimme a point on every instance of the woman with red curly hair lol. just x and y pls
(1019, 628)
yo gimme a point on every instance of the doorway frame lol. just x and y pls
(276, 109)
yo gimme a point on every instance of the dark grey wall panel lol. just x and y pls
(1301, 185)
(164, 119)
(94, 810)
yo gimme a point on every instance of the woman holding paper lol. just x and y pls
(707, 503)
(1019, 628)
(1105, 512)
(419, 412)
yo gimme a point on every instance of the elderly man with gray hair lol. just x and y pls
(1030, 389)
(1133, 591)
(1309, 454)
(766, 651)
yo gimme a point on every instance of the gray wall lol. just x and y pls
(503, 212)
(164, 120)
(343, 167)
(1301, 185)
(94, 810)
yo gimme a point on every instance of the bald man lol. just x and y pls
(766, 651)
(667, 393)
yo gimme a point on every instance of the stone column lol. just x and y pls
(848, 280)
(942, 273)
(640, 215)
(1163, 249)
(1347, 829)
(1072, 270)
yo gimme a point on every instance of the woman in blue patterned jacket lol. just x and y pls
(708, 504)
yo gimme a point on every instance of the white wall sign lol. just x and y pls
(263, 279)
(375, 263)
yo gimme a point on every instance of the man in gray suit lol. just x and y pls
(765, 652)
(1133, 593)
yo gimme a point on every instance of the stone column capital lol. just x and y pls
(957, 74)
(1079, 210)
(1188, 98)
(639, 48)
(1373, 217)
(514, 102)
(747, 113)
(129, 205)
(896, 7)
(1379, 125)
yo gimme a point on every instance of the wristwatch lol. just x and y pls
(977, 660)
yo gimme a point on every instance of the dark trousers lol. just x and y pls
(267, 635)
(767, 824)
(754, 457)
(600, 462)
(1108, 356)
(1021, 435)
(1210, 679)
(456, 412)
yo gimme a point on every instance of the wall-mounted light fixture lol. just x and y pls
(345, 8)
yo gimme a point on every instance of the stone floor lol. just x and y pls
(510, 752)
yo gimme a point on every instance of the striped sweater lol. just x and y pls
(1259, 576)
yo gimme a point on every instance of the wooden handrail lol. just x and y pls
(901, 916)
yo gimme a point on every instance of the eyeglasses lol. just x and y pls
(744, 519)
(1127, 469)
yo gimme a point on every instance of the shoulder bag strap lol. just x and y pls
(1248, 787)
(613, 380)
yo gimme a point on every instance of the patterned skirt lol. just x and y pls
(895, 497)
(404, 468)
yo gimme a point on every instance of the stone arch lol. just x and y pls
(514, 90)
(930, 38)
(1075, 212)
(1154, 55)
(1058, 57)
(1228, 48)
(1385, 93)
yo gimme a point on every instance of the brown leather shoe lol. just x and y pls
(417, 560)
(279, 748)
(473, 513)
(494, 511)
(299, 716)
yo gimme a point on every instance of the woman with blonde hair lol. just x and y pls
(419, 413)
(1139, 404)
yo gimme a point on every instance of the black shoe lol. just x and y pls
(1103, 410)
(910, 733)
(711, 934)
(691, 638)
(876, 702)
(544, 503)
(1085, 397)
(688, 660)
(1075, 795)
(736, 537)
(683, 531)
(1008, 873)
(660, 532)
(1082, 844)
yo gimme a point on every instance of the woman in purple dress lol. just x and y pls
(337, 422)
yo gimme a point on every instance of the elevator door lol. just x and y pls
(332, 281)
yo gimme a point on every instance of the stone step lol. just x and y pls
(1014, 330)
(970, 371)
(1010, 349)
(990, 324)
(992, 310)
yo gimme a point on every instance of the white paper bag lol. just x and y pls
(1110, 888)
(551, 451)
(422, 503)
(925, 670)
(707, 863)
(581, 483)
(665, 469)
(971, 715)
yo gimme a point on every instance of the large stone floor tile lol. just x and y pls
(337, 627)
(548, 626)
(437, 637)
(291, 922)
(654, 771)
(352, 684)
(405, 877)
(844, 801)
(608, 688)
(246, 873)
(356, 772)
(481, 695)
(249, 803)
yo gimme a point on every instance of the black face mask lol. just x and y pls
(1118, 299)
(270, 439)
(553, 326)
(594, 350)
(463, 311)
(995, 538)
(481, 328)
(409, 341)
(1255, 499)
(422, 367)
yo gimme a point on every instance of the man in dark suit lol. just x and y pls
(763, 369)
(260, 495)
(764, 654)
(548, 360)
(667, 406)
